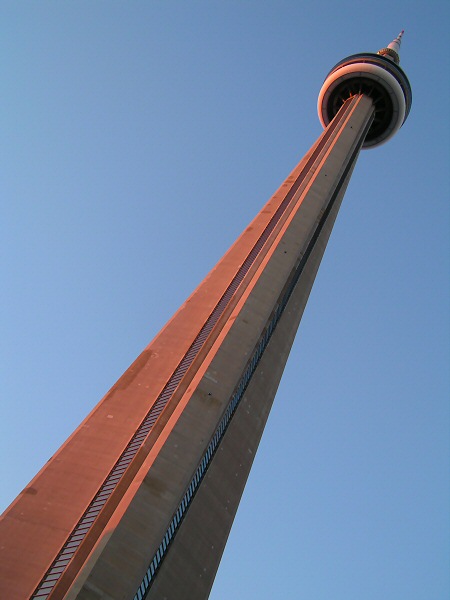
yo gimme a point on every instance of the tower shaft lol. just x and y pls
(155, 473)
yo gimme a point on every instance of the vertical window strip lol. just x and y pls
(245, 379)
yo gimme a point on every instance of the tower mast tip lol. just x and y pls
(392, 52)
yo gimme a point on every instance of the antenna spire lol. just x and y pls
(392, 52)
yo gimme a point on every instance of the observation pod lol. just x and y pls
(377, 76)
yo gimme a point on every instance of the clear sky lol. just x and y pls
(138, 139)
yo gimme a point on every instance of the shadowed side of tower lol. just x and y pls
(140, 499)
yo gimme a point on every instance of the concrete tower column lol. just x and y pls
(139, 501)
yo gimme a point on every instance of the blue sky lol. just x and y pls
(137, 141)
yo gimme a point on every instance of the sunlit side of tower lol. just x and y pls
(139, 501)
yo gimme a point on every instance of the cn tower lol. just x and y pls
(139, 501)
